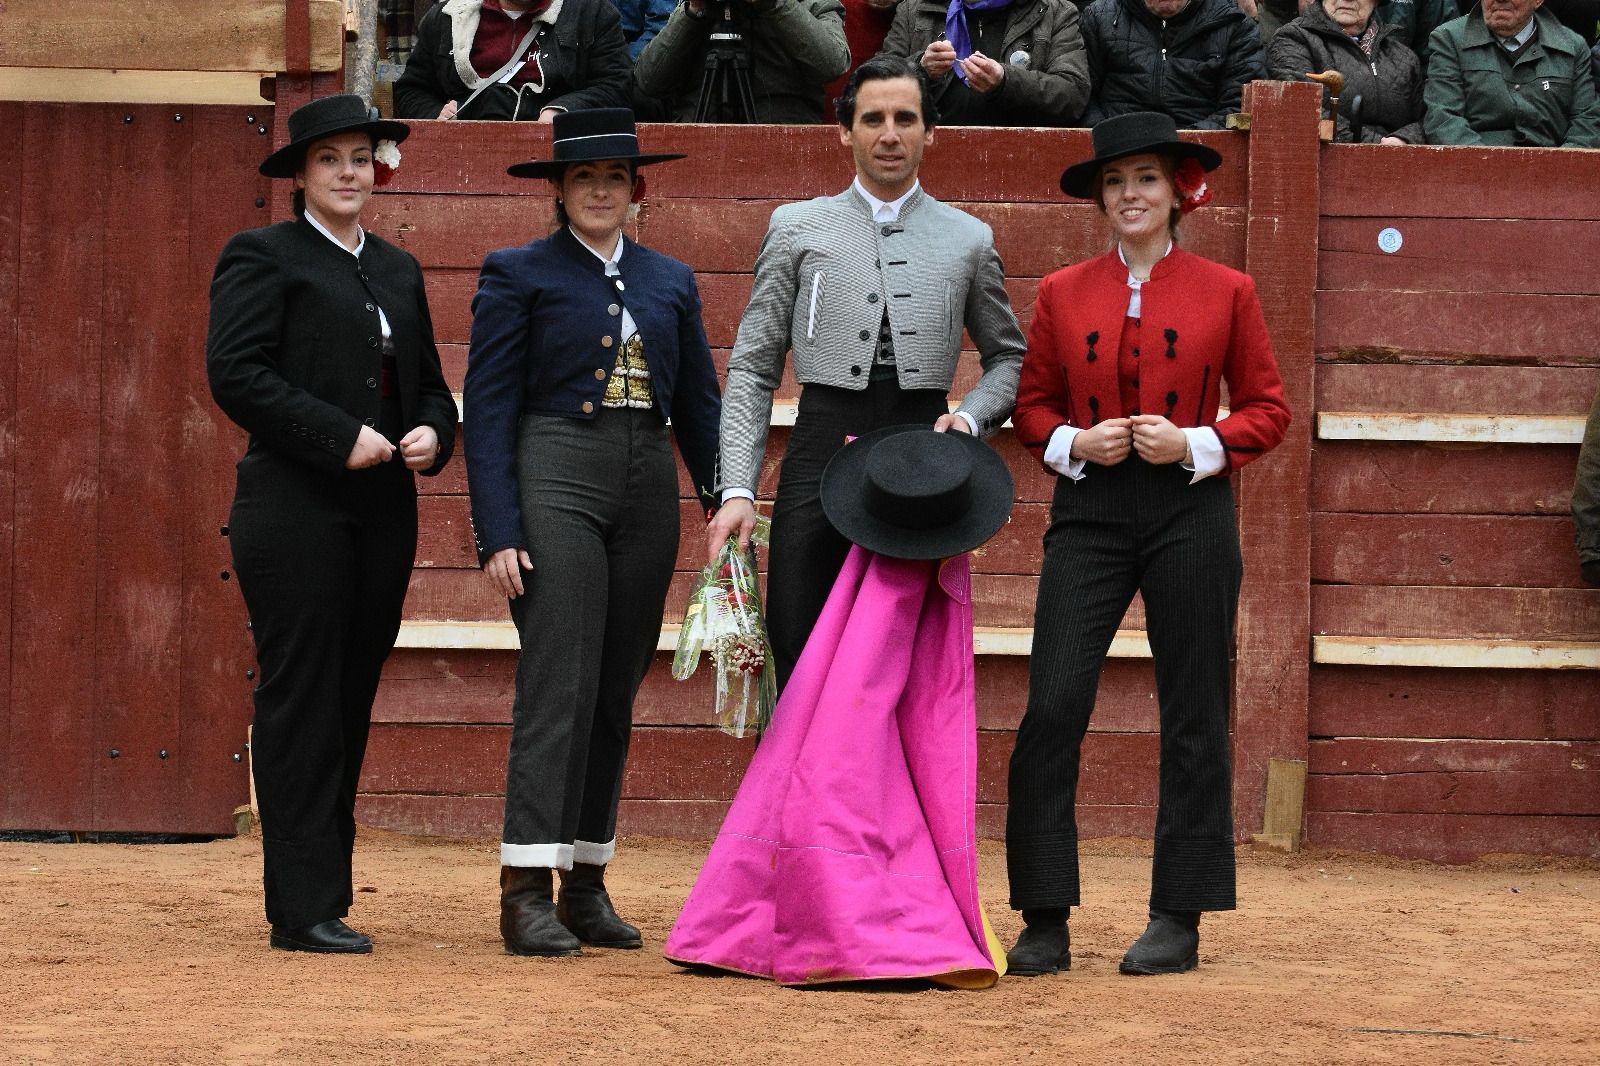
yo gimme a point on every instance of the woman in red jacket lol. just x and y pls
(1119, 395)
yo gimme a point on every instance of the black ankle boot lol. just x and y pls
(1044, 947)
(1169, 944)
(585, 909)
(528, 922)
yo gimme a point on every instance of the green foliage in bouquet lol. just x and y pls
(724, 619)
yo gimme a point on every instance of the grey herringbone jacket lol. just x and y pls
(826, 272)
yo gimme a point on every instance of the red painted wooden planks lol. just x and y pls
(1379, 701)
(1454, 838)
(1410, 611)
(1508, 255)
(1451, 182)
(12, 151)
(1270, 679)
(1458, 327)
(58, 394)
(1419, 549)
(1454, 777)
(1489, 390)
(1405, 478)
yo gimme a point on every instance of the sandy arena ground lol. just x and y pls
(115, 953)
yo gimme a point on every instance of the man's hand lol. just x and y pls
(945, 423)
(420, 447)
(504, 569)
(549, 113)
(938, 58)
(735, 518)
(370, 449)
(1158, 441)
(983, 74)
(449, 109)
(1105, 444)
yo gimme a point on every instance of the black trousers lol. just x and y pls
(323, 563)
(600, 513)
(1132, 527)
(806, 552)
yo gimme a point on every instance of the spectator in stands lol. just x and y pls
(997, 62)
(398, 19)
(794, 48)
(466, 60)
(1143, 503)
(1417, 19)
(866, 24)
(1594, 62)
(1379, 71)
(1586, 497)
(584, 344)
(1189, 59)
(1509, 74)
(321, 347)
(1580, 16)
(642, 20)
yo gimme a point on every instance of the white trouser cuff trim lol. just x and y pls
(592, 854)
(553, 856)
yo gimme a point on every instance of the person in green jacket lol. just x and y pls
(1508, 74)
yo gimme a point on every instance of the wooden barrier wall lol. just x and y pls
(1397, 591)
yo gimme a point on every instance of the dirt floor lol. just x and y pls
(158, 953)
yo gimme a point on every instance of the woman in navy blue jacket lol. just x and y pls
(584, 344)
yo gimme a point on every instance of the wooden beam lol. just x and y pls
(218, 35)
(1285, 804)
(1459, 653)
(53, 85)
(502, 636)
(1450, 428)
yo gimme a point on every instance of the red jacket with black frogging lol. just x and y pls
(1201, 324)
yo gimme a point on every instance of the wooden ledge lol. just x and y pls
(1451, 429)
(1458, 653)
(502, 636)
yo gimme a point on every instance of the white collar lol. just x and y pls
(361, 235)
(612, 260)
(885, 210)
(1131, 279)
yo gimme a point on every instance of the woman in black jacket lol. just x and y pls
(1379, 70)
(573, 54)
(320, 346)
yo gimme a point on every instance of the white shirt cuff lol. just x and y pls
(1058, 453)
(744, 494)
(972, 426)
(1205, 448)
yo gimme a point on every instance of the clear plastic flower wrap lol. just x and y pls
(724, 620)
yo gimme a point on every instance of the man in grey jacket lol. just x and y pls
(789, 50)
(870, 289)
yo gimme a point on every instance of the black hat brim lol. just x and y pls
(552, 168)
(1080, 179)
(287, 161)
(843, 495)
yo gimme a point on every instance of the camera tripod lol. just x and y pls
(725, 94)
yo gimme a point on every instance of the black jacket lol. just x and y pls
(1193, 66)
(1389, 84)
(584, 57)
(294, 351)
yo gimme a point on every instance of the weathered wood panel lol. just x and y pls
(1454, 777)
(1454, 838)
(1490, 390)
(1449, 182)
(1458, 326)
(1420, 549)
(1435, 611)
(1520, 255)
(12, 150)
(1366, 701)
(1407, 478)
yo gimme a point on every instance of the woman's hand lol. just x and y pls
(735, 518)
(420, 447)
(371, 448)
(1106, 443)
(1158, 441)
(505, 570)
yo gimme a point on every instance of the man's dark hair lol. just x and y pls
(885, 68)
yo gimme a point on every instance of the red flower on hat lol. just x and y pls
(1190, 180)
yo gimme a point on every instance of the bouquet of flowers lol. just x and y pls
(724, 619)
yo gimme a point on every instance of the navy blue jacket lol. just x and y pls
(546, 322)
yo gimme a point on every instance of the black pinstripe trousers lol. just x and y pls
(1132, 527)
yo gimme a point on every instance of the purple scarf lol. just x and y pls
(955, 26)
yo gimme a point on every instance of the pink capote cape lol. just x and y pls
(850, 851)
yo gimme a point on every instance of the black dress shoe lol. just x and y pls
(528, 922)
(1041, 949)
(331, 937)
(1169, 944)
(585, 909)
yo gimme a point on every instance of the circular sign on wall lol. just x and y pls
(1389, 240)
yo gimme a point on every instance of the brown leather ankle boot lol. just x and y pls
(585, 908)
(528, 922)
